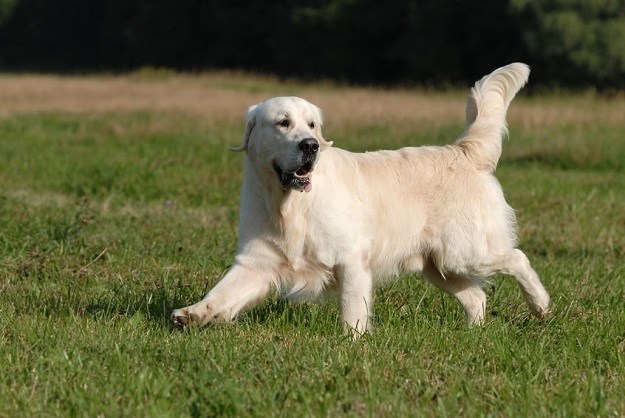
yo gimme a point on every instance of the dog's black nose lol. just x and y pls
(309, 145)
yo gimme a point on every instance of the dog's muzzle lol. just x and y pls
(299, 178)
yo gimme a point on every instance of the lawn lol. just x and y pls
(119, 201)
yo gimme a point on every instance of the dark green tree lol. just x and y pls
(572, 43)
(6, 7)
(576, 42)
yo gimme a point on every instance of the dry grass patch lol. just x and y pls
(221, 96)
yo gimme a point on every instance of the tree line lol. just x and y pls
(568, 43)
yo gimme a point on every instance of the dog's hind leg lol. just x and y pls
(239, 289)
(467, 292)
(516, 264)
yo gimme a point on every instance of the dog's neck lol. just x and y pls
(282, 212)
(269, 197)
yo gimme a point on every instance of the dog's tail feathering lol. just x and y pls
(486, 114)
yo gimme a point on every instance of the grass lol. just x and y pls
(112, 216)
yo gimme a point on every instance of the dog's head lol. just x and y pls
(283, 137)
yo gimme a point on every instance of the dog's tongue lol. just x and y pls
(304, 172)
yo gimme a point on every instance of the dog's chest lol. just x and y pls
(304, 241)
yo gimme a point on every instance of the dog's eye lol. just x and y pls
(311, 125)
(284, 123)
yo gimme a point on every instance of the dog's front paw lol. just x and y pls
(182, 318)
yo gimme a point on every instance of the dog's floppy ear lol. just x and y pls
(323, 144)
(319, 124)
(250, 121)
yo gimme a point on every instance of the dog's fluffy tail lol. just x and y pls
(486, 114)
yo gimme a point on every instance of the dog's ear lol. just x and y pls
(250, 121)
(323, 144)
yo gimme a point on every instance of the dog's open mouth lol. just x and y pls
(300, 179)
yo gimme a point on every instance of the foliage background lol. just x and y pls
(569, 43)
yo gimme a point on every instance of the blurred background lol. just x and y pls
(568, 43)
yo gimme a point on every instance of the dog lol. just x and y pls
(317, 219)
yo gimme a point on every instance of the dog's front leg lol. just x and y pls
(240, 288)
(356, 297)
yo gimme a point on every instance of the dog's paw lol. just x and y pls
(182, 318)
(542, 312)
(540, 305)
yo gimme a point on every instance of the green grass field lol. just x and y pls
(109, 219)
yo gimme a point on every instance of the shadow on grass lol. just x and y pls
(278, 310)
(157, 304)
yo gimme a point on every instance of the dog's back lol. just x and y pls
(432, 203)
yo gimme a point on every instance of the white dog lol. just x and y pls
(316, 219)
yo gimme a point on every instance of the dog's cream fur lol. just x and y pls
(364, 217)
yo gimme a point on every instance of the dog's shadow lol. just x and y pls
(157, 304)
(280, 311)
(154, 304)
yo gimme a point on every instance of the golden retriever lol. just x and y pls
(318, 219)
